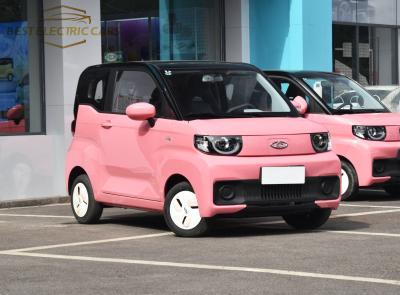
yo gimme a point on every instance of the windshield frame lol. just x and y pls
(321, 75)
(224, 67)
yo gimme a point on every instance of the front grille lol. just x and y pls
(251, 192)
(291, 192)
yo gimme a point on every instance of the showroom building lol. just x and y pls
(46, 44)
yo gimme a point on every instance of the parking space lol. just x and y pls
(44, 251)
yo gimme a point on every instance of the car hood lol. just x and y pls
(375, 119)
(256, 126)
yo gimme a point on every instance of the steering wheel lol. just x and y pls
(339, 97)
(242, 106)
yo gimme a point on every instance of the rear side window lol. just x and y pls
(92, 89)
(133, 86)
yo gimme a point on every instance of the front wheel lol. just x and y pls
(84, 206)
(310, 220)
(181, 212)
(349, 185)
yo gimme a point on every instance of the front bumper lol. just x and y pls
(245, 172)
(253, 193)
(367, 156)
(387, 168)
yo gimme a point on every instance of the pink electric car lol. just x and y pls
(196, 140)
(365, 135)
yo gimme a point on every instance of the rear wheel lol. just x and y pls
(310, 220)
(393, 190)
(349, 185)
(181, 212)
(84, 206)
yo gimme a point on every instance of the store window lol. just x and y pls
(21, 107)
(365, 11)
(376, 12)
(344, 11)
(161, 30)
(366, 53)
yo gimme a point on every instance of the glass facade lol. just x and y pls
(21, 68)
(365, 40)
(161, 30)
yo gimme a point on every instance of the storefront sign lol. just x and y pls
(73, 26)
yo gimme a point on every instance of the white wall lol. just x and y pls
(33, 166)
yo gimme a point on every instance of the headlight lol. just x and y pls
(321, 142)
(222, 145)
(376, 133)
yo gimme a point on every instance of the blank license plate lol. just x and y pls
(283, 175)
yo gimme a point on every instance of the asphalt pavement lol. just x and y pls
(44, 251)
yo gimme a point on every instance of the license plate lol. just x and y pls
(283, 175)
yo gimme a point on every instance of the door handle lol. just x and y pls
(106, 125)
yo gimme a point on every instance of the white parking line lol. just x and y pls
(39, 206)
(369, 206)
(37, 216)
(212, 267)
(89, 242)
(361, 233)
(366, 213)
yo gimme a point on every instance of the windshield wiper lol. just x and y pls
(358, 111)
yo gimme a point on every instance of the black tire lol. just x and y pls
(353, 181)
(199, 230)
(393, 190)
(94, 209)
(310, 220)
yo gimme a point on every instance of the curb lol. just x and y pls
(33, 202)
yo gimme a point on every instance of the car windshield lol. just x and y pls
(379, 94)
(213, 94)
(342, 95)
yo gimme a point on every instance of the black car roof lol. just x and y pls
(165, 65)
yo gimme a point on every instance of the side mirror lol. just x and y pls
(300, 104)
(141, 111)
(15, 114)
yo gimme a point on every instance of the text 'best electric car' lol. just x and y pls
(196, 140)
(365, 134)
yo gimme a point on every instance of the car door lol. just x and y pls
(128, 146)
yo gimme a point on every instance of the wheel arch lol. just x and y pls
(174, 180)
(75, 172)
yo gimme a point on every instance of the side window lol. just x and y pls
(92, 89)
(291, 90)
(138, 86)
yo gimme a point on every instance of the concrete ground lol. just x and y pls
(44, 251)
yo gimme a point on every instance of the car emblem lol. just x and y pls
(279, 145)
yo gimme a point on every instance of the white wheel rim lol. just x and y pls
(184, 210)
(345, 182)
(80, 200)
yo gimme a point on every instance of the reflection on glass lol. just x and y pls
(161, 30)
(20, 102)
(376, 12)
(344, 10)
